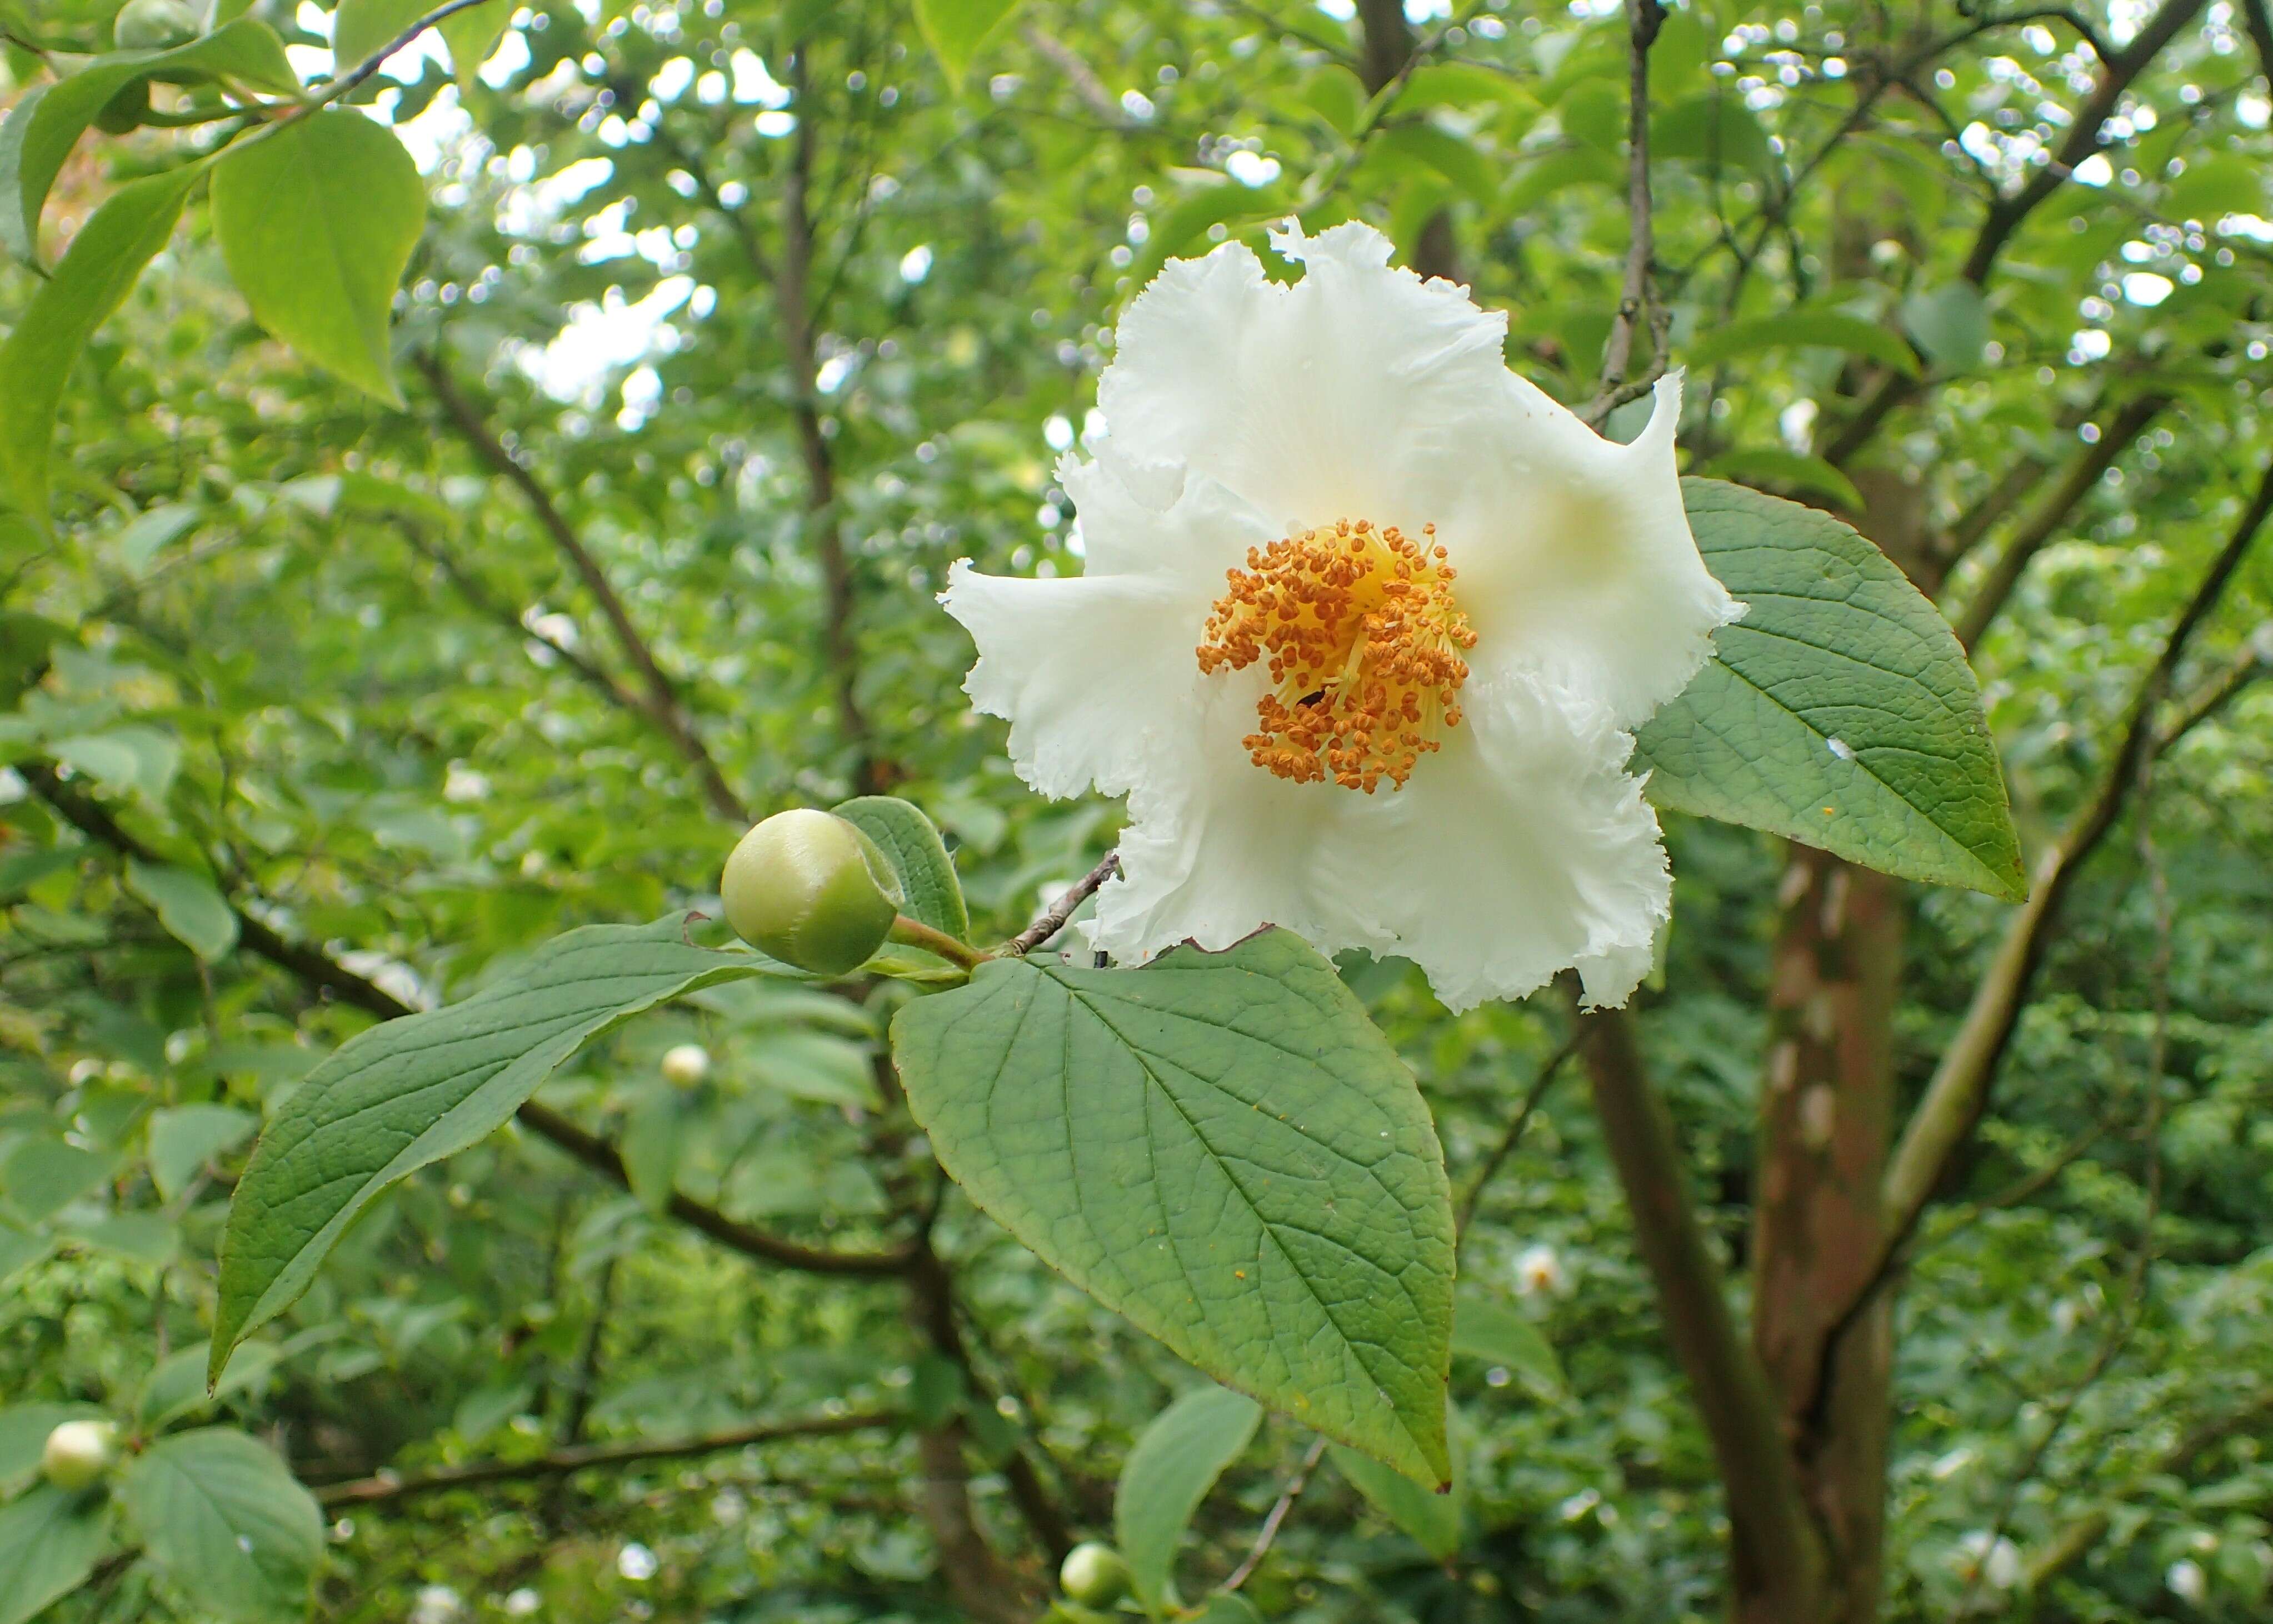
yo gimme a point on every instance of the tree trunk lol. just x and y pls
(1826, 1114)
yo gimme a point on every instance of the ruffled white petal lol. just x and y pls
(1575, 556)
(1522, 849)
(1095, 675)
(1325, 400)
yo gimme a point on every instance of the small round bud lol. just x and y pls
(812, 890)
(78, 1453)
(153, 24)
(1094, 1574)
(685, 1063)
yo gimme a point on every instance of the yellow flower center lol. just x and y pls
(1362, 635)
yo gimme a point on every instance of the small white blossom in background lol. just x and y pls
(437, 1604)
(2187, 1581)
(685, 1063)
(521, 1603)
(636, 1562)
(2000, 1563)
(1365, 625)
(1539, 1271)
(461, 783)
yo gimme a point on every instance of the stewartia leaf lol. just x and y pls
(930, 893)
(1168, 1474)
(225, 1520)
(316, 222)
(409, 1092)
(1839, 712)
(955, 29)
(48, 1544)
(1221, 1146)
(94, 279)
(42, 128)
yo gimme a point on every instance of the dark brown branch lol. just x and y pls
(2254, 662)
(388, 1485)
(1055, 919)
(1775, 1547)
(2045, 518)
(2258, 19)
(659, 699)
(1636, 297)
(320, 971)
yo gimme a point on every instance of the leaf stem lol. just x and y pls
(916, 934)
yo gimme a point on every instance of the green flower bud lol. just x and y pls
(685, 1063)
(1094, 1574)
(153, 24)
(812, 890)
(78, 1453)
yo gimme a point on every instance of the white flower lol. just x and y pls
(1428, 759)
(2000, 1559)
(436, 1604)
(1537, 1270)
(2187, 1580)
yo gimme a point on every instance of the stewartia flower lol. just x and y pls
(1365, 624)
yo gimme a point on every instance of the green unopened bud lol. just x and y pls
(78, 1453)
(153, 24)
(812, 890)
(1094, 1574)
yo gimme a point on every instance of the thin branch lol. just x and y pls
(2076, 1540)
(2049, 514)
(1958, 1091)
(1268, 1533)
(1540, 1082)
(793, 292)
(1053, 919)
(387, 1485)
(2006, 214)
(477, 594)
(323, 974)
(1087, 86)
(2254, 662)
(2258, 18)
(1637, 298)
(660, 699)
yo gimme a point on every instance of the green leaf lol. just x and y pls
(177, 1386)
(360, 27)
(815, 1065)
(407, 1093)
(125, 759)
(43, 127)
(1804, 327)
(1221, 1146)
(1167, 1474)
(24, 1430)
(930, 893)
(316, 224)
(94, 279)
(193, 912)
(472, 35)
(1433, 1520)
(2215, 187)
(48, 1544)
(1950, 323)
(226, 1522)
(41, 1176)
(145, 1237)
(1222, 1608)
(1753, 465)
(1495, 1333)
(1839, 712)
(1714, 129)
(955, 29)
(184, 1138)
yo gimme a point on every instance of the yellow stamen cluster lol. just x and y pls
(1362, 635)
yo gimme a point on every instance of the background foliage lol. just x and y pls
(727, 329)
